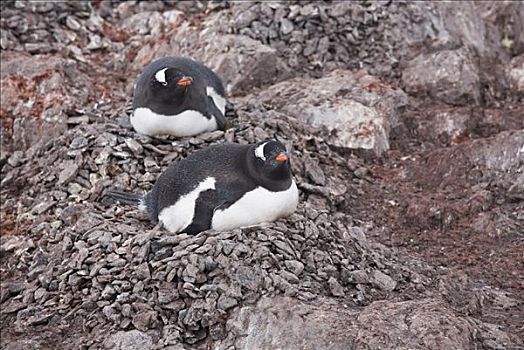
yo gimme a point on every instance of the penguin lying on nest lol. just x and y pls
(221, 187)
(178, 96)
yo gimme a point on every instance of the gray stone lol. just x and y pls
(335, 287)
(361, 172)
(190, 273)
(16, 158)
(225, 303)
(13, 306)
(108, 292)
(290, 277)
(166, 296)
(286, 26)
(144, 319)
(130, 340)
(72, 23)
(383, 281)
(78, 142)
(294, 266)
(171, 336)
(285, 248)
(134, 146)
(142, 271)
(68, 173)
(8, 290)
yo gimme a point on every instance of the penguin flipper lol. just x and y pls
(227, 198)
(215, 112)
(203, 213)
(205, 206)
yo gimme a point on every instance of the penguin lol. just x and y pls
(178, 96)
(221, 187)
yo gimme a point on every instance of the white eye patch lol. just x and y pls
(160, 76)
(259, 151)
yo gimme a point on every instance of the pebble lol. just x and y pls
(72, 23)
(294, 266)
(383, 281)
(134, 146)
(286, 26)
(336, 289)
(68, 173)
(225, 303)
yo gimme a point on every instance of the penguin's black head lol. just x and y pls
(271, 160)
(170, 82)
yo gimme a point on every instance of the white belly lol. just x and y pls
(180, 215)
(187, 123)
(255, 207)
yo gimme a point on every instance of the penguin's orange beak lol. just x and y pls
(281, 157)
(185, 81)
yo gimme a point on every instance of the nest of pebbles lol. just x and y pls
(105, 267)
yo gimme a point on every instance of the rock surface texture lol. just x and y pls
(405, 125)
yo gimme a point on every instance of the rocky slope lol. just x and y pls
(406, 129)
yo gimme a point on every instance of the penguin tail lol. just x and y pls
(126, 198)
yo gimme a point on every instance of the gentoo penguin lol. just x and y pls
(221, 187)
(178, 96)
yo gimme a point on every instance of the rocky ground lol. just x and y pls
(405, 123)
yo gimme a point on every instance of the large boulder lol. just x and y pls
(287, 323)
(450, 76)
(37, 91)
(358, 109)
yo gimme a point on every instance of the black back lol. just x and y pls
(147, 92)
(236, 171)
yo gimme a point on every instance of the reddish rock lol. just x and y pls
(36, 93)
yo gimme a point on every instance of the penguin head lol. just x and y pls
(170, 82)
(271, 160)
